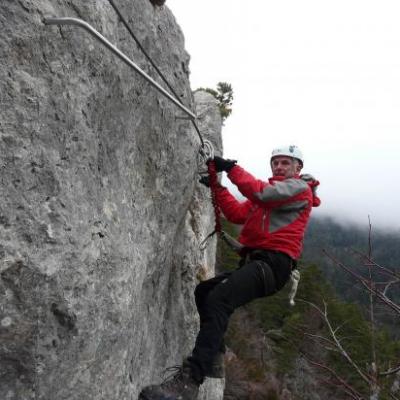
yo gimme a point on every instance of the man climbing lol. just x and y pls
(274, 218)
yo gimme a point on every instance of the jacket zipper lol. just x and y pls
(265, 212)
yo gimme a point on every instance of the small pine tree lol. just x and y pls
(224, 96)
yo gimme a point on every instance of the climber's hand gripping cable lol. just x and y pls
(222, 164)
(214, 165)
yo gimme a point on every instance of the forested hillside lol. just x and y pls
(327, 240)
(340, 240)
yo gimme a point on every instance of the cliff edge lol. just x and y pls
(101, 214)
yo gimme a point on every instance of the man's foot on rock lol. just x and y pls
(180, 386)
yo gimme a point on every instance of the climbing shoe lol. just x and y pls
(179, 386)
(217, 369)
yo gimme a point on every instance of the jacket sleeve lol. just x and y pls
(234, 210)
(264, 193)
(313, 183)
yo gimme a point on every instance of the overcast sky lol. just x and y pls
(322, 75)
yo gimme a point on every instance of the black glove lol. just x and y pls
(205, 180)
(223, 165)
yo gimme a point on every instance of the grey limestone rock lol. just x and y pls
(101, 214)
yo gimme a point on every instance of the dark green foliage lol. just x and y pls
(272, 395)
(224, 95)
(227, 260)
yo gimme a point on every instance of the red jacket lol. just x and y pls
(276, 212)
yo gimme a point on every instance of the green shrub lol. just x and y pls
(224, 96)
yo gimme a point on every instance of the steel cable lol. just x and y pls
(125, 23)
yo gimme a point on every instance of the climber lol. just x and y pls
(274, 218)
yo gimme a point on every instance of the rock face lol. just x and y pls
(101, 215)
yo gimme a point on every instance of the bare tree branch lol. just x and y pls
(320, 341)
(369, 238)
(370, 262)
(348, 388)
(374, 384)
(388, 284)
(324, 314)
(341, 325)
(390, 371)
(396, 385)
(340, 386)
(383, 298)
(364, 282)
(322, 338)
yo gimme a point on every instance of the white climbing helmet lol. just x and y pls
(288, 151)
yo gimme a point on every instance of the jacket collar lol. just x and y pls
(282, 178)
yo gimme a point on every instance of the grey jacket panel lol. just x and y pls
(285, 215)
(307, 177)
(282, 190)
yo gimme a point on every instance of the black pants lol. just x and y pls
(263, 274)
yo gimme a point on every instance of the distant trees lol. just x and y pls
(341, 240)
